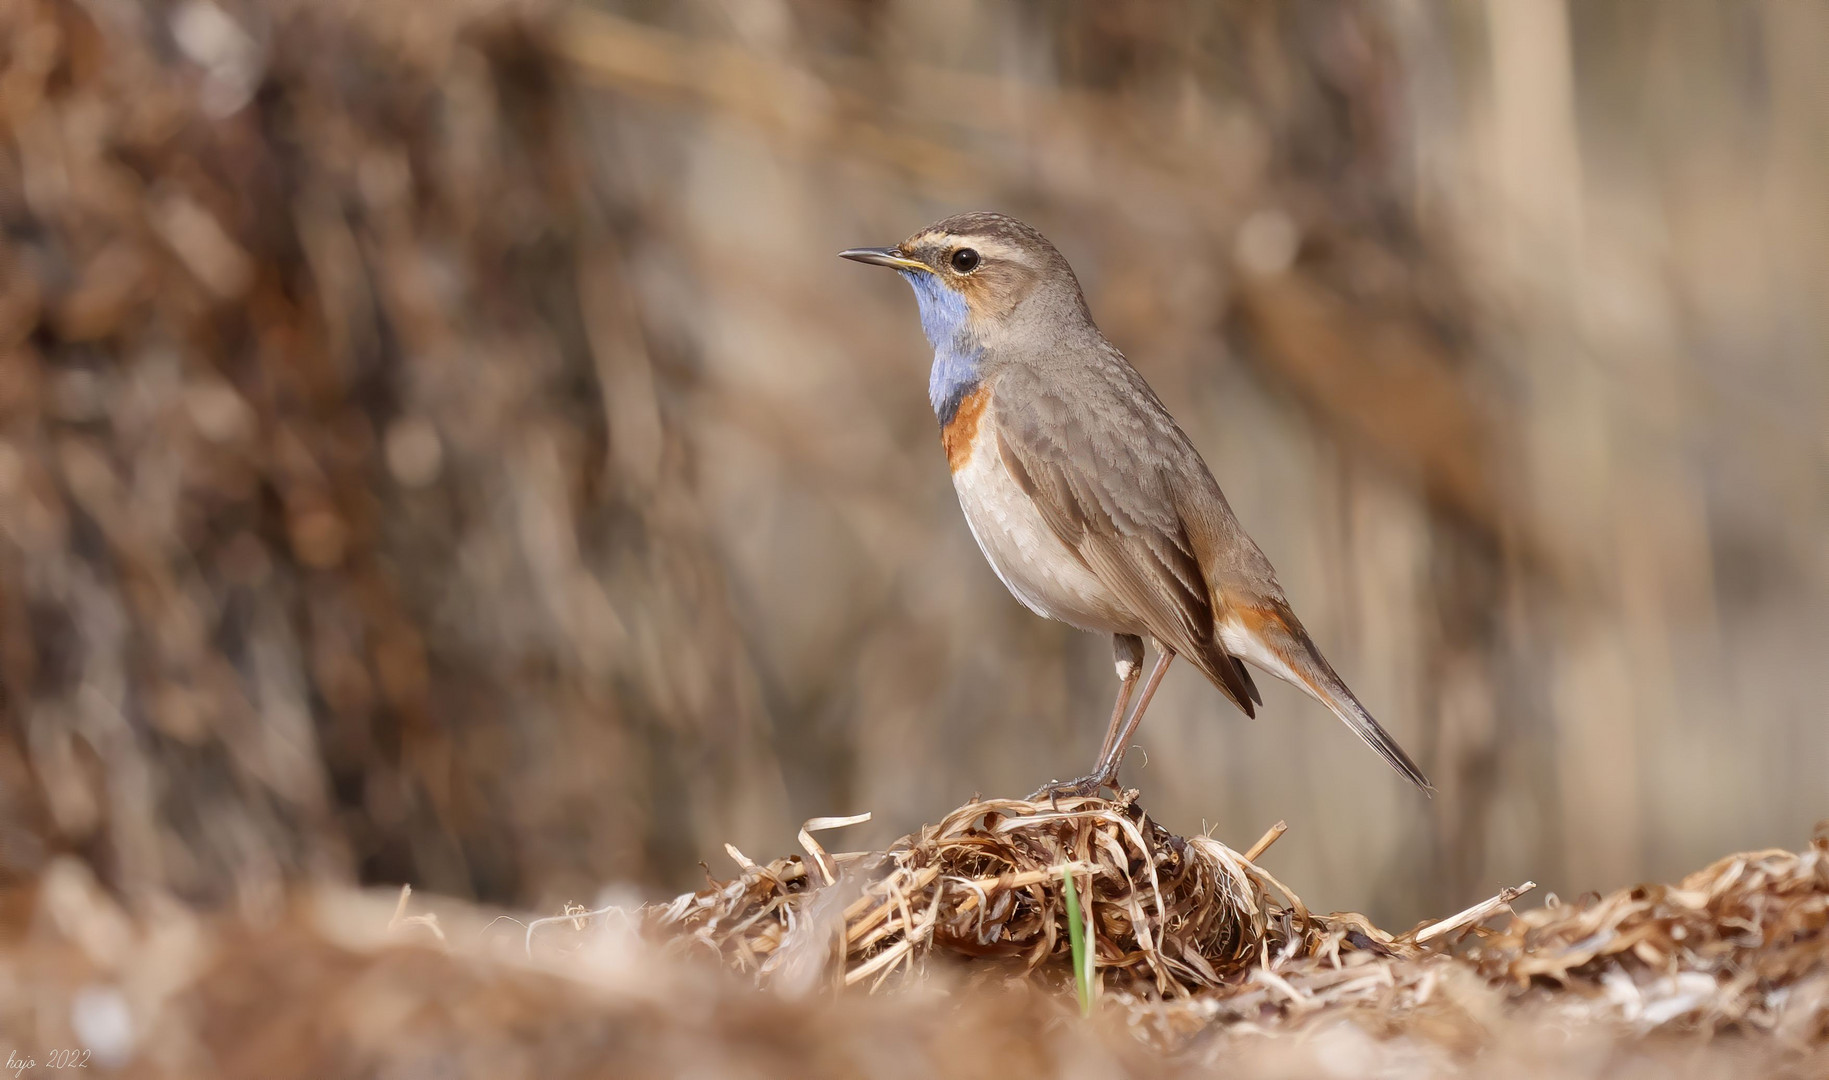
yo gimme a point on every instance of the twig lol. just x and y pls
(1479, 912)
(1263, 842)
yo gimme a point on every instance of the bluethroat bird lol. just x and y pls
(1086, 497)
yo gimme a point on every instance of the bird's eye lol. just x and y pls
(965, 260)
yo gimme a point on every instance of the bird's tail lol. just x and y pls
(1281, 642)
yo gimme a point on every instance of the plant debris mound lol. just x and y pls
(1169, 916)
(1742, 943)
(1193, 939)
(1202, 962)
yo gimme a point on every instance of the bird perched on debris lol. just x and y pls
(1084, 494)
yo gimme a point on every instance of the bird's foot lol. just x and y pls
(1085, 787)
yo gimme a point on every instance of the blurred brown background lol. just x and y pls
(438, 444)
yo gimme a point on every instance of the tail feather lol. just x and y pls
(1271, 638)
(1340, 700)
(1228, 673)
(1244, 674)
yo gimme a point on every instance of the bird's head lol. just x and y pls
(980, 276)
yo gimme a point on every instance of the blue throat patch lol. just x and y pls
(947, 322)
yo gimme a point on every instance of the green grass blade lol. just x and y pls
(1076, 939)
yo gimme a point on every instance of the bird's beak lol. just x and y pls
(890, 257)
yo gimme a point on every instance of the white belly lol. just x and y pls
(1032, 562)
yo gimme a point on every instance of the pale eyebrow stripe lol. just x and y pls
(988, 246)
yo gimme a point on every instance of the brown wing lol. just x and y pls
(1097, 470)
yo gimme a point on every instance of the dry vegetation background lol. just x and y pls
(438, 445)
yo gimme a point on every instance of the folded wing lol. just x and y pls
(1097, 480)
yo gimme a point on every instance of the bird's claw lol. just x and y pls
(1082, 788)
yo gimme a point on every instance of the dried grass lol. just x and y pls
(1169, 916)
(1203, 962)
(1742, 944)
(1198, 946)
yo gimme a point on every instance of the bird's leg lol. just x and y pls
(1127, 655)
(1107, 772)
(1127, 652)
